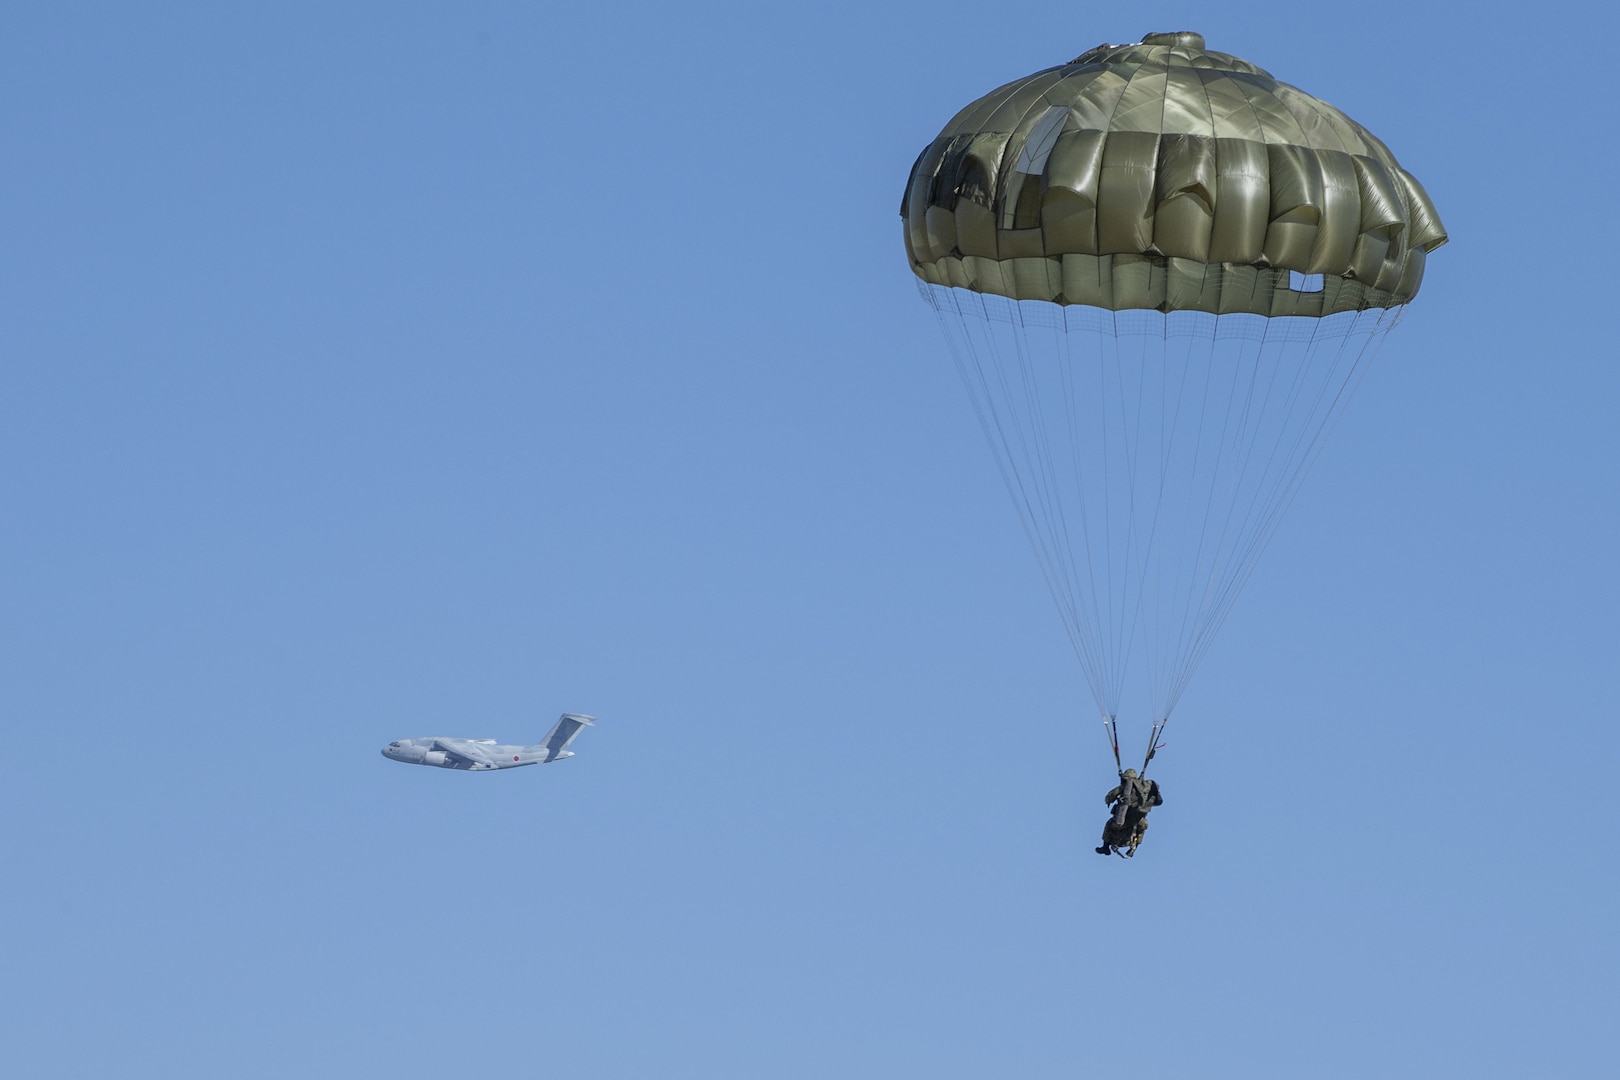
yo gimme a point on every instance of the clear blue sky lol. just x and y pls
(371, 371)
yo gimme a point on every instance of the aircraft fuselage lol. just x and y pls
(436, 751)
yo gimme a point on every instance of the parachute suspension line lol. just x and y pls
(1116, 454)
(1082, 596)
(995, 426)
(1056, 537)
(1136, 557)
(1218, 595)
(1133, 455)
(1191, 510)
(1109, 350)
(1169, 426)
(1344, 389)
(1286, 464)
(1270, 505)
(1126, 348)
(1068, 398)
(1241, 439)
(1112, 388)
(1111, 728)
(1231, 468)
(1069, 384)
(1166, 443)
(1042, 453)
(970, 365)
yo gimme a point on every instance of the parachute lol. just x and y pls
(1161, 274)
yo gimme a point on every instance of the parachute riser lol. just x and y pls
(1153, 744)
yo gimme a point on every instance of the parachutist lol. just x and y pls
(1130, 802)
(1050, 229)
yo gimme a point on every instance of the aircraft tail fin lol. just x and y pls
(562, 733)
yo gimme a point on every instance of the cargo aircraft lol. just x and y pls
(476, 755)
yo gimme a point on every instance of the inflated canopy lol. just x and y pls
(1162, 175)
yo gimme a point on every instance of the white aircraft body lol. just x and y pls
(475, 755)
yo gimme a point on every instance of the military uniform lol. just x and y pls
(1130, 801)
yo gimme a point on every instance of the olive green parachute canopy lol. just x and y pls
(1163, 176)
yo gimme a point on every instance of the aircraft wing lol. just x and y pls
(464, 750)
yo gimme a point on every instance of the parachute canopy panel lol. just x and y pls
(1161, 175)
